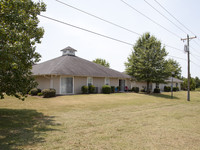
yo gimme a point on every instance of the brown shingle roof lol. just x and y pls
(75, 66)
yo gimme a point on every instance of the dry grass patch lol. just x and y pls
(98, 121)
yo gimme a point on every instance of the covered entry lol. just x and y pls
(67, 85)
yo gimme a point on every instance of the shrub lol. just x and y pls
(143, 90)
(178, 89)
(34, 91)
(156, 90)
(49, 93)
(84, 89)
(91, 89)
(136, 89)
(106, 89)
(112, 89)
(133, 89)
(40, 94)
(175, 89)
(167, 88)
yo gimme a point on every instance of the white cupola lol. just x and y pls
(68, 51)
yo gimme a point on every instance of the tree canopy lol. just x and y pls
(197, 81)
(19, 34)
(102, 62)
(173, 68)
(147, 61)
(184, 85)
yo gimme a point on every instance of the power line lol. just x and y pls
(195, 64)
(98, 17)
(195, 57)
(164, 16)
(150, 19)
(173, 16)
(100, 34)
(173, 47)
(105, 36)
(197, 43)
(196, 53)
(176, 20)
(183, 59)
(177, 57)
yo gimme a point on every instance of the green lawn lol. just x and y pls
(116, 121)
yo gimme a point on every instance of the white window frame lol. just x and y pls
(61, 83)
(88, 78)
(107, 81)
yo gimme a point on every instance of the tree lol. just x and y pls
(197, 81)
(174, 67)
(184, 85)
(19, 34)
(147, 61)
(102, 62)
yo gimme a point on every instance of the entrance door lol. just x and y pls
(66, 85)
(122, 85)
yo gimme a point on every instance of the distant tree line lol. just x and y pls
(194, 83)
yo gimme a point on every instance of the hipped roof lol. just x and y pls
(75, 66)
(175, 80)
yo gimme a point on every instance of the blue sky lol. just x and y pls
(58, 36)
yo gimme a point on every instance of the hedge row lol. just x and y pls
(106, 89)
(135, 89)
(168, 89)
(49, 93)
(46, 93)
(34, 91)
(156, 90)
(88, 89)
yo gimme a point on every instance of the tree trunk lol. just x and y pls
(148, 87)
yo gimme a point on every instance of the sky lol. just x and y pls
(89, 46)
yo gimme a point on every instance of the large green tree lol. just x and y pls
(197, 81)
(173, 68)
(184, 85)
(102, 62)
(19, 34)
(147, 61)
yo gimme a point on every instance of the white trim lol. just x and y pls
(51, 82)
(73, 85)
(61, 83)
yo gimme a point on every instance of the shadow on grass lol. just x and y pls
(160, 95)
(23, 127)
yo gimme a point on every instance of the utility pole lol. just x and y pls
(188, 51)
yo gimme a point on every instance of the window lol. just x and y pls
(176, 84)
(66, 85)
(89, 81)
(107, 81)
(157, 85)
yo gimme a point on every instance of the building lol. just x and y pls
(68, 73)
(168, 82)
